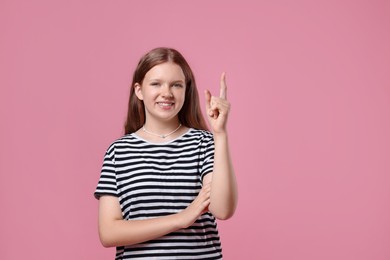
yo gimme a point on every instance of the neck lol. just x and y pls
(162, 129)
(161, 126)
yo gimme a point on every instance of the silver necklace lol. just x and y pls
(161, 136)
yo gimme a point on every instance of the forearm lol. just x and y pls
(114, 231)
(128, 232)
(224, 195)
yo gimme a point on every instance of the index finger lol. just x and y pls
(223, 90)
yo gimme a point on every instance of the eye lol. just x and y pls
(155, 84)
(178, 85)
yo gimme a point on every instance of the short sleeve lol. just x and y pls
(207, 156)
(107, 184)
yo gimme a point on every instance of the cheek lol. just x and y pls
(150, 95)
(181, 94)
(182, 99)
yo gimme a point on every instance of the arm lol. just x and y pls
(115, 231)
(224, 194)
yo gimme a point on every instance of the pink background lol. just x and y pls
(309, 83)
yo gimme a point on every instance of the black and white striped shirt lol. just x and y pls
(157, 179)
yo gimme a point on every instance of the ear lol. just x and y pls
(137, 91)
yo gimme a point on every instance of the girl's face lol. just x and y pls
(163, 92)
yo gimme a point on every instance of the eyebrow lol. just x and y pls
(174, 81)
(178, 81)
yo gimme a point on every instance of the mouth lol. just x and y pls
(165, 105)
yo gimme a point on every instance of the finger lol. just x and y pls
(207, 96)
(208, 183)
(209, 102)
(205, 207)
(207, 188)
(223, 89)
(205, 192)
(216, 106)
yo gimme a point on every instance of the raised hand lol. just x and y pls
(217, 108)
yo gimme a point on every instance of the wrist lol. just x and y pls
(220, 135)
(180, 220)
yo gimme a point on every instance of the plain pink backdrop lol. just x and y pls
(309, 83)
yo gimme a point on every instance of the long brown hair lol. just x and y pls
(190, 115)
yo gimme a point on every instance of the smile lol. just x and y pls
(165, 104)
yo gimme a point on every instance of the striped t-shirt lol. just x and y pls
(157, 179)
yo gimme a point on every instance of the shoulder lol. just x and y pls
(124, 141)
(203, 137)
(204, 134)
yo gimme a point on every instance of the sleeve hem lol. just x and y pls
(205, 173)
(99, 194)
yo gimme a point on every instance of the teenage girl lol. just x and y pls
(166, 180)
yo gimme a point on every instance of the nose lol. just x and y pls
(166, 91)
